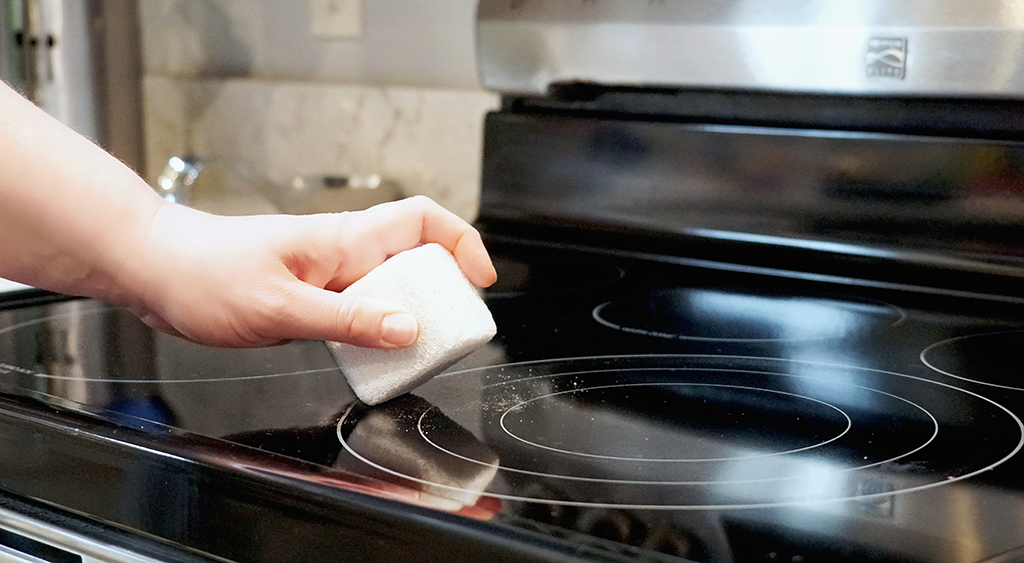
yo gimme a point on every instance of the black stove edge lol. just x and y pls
(998, 118)
(847, 265)
(211, 497)
(29, 297)
(796, 199)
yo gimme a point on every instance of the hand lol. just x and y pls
(76, 220)
(262, 280)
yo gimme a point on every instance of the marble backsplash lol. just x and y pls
(257, 136)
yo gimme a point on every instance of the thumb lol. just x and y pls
(357, 320)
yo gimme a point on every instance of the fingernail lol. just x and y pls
(399, 329)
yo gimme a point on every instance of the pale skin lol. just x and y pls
(75, 220)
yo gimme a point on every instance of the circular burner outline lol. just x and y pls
(101, 308)
(849, 422)
(925, 361)
(596, 315)
(935, 431)
(886, 494)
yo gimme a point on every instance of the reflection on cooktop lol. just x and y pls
(695, 432)
(88, 341)
(705, 314)
(408, 439)
(519, 277)
(88, 356)
(990, 359)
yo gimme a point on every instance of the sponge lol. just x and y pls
(454, 321)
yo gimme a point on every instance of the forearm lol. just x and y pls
(72, 216)
(74, 219)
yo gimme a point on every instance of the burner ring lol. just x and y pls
(849, 424)
(984, 351)
(925, 443)
(94, 313)
(814, 479)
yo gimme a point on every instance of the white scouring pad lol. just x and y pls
(453, 320)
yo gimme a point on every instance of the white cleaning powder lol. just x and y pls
(453, 320)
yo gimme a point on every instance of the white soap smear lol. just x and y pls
(453, 319)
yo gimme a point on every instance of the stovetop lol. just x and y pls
(628, 409)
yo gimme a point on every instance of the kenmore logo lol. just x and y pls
(887, 57)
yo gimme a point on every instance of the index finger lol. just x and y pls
(402, 225)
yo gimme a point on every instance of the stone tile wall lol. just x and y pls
(256, 136)
(245, 85)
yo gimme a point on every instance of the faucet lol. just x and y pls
(175, 183)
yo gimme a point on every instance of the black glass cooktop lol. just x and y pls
(627, 410)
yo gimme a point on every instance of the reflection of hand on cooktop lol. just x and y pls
(387, 441)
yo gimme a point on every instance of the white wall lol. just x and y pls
(404, 42)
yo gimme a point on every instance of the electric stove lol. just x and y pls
(758, 299)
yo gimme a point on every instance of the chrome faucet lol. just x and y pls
(175, 183)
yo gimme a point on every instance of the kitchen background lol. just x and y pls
(267, 91)
(271, 95)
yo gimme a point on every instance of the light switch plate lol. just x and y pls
(341, 19)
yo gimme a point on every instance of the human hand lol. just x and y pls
(76, 220)
(262, 280)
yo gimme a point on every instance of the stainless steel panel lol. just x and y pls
(89, 550)
(915, 47)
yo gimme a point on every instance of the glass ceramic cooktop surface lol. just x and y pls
(676, 411)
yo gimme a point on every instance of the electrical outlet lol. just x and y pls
(341, 19)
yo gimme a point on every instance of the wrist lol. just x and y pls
(148, 267)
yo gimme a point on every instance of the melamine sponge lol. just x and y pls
(453, 321)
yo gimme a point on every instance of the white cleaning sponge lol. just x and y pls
(453, 321)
